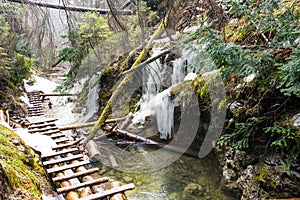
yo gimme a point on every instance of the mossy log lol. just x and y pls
(69, 127)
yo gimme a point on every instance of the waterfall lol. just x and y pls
(157, 102)
(92, 99)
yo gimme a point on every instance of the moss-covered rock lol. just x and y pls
(22, 177)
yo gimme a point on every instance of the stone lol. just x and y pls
(229, 174)
(296, 120)
(193, 189)
(127, 179)
(249, 78)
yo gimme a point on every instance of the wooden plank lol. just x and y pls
(61, 140)
(41, 122)
(57, 135)
(69, 144)
(81, 185)
(76, 175)
(35, 109)
(43, 130)
(34, 115)
(35, 112)
(41, 125)
(49, 132)
(65, 151)
(65, 167)
(61, 160)
(109, 192)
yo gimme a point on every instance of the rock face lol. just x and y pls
(258, 176)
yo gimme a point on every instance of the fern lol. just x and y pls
(289, 75)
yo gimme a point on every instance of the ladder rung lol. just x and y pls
(42, 130)
(59, 153)
(40, 125)
(58, 135)
(109, 192)
(81, 185)
(49, 132)
(61, 160)
(65, 167)
(61, 140)
(41, 122)
(63, 145)
(76, 175)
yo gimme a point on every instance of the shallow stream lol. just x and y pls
(186, 178)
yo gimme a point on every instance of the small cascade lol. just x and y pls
(92, 99)
(157, 102)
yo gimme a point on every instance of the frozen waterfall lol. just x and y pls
(156, 100)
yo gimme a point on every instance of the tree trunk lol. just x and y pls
(72, 8)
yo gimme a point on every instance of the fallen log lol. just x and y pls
(53, 94)
(72, 8)
(69, 127)
(138, 67)
(56, 75)
(113, 161)
(151, 142)
(126, 4)
(129, 135)
(93, 151)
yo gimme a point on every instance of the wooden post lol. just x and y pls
(93, 151)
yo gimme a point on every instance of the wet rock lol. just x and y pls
(15, 141)
(249, 78)
(193, 189)
(249, 187)
(77, 110)
(127, 179)
(296, 120)
(229, 174)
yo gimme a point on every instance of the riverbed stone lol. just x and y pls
(127, 179)
(193, 189)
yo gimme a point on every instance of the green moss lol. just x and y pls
(262, 174)
(18, 165)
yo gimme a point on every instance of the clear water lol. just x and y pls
(186, 178)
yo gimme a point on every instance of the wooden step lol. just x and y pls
(65, 151)
(63, 146)
(35, 109)
(34, 115)
(42, 129)
(58, 135)
(70, 166)
(61, 140)
(77, 174)
(41, 122)
(62, 160)
(81, 185)
(41, 125)
(109, 192)
(49, 132)
(35, 112)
